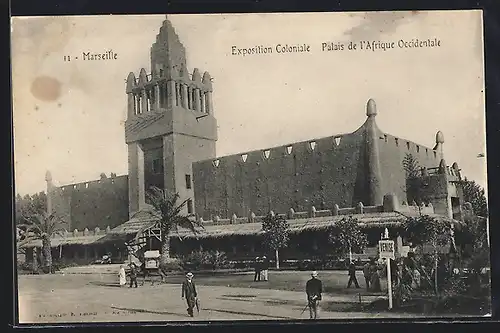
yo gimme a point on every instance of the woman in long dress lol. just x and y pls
(122, 275)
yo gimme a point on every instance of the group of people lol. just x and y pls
(314, 286)
(133, 272)
(261, 267)
(370, 272)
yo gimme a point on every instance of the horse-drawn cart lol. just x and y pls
(152, 260)
(151, 265)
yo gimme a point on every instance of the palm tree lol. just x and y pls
(170, 217)
(41, 225)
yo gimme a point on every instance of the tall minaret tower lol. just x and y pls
(170, 122)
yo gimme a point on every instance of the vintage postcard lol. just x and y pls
(302, 166)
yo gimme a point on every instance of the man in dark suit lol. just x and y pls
(133, 275)
(257, 268)
(352, 275)
(314, 288)
(189, 291)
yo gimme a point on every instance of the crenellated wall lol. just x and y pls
(315, 172)
(341, 169)
(99, 203)
(392, 153)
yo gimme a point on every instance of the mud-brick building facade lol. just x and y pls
(171, 134)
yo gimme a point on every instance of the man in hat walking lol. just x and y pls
(352, 275)
(314, 288)
(189, 291)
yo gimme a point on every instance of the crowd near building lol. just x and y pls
(171, 135)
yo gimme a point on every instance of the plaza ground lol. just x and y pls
(92, 294)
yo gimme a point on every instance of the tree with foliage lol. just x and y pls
(424, 230)
(414, 182)
(25, 206)
(475, 195)
(40, 225)
(276, 234)
(29, 203)
(170, 217)
(472, 241)
(347, 236)
(411, 166)
(472, 235)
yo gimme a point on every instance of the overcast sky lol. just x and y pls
(69, 116)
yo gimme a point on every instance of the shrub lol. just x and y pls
(26, 268)
(219, 260)
(199, 260)
(171, 265)
(455, 285)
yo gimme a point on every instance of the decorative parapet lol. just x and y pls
(86, 232)
(323, 213)
(424, 209)
(347, 211)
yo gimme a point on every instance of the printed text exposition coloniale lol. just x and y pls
(338, 46)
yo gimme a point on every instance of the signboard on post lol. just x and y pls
(386, 251)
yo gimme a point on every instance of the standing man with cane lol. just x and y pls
(314, 288)
(189, 291)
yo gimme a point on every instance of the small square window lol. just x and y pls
(188, 182)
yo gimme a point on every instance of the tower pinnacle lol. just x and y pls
(371, 108)
(439, 137)
(48, 176)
